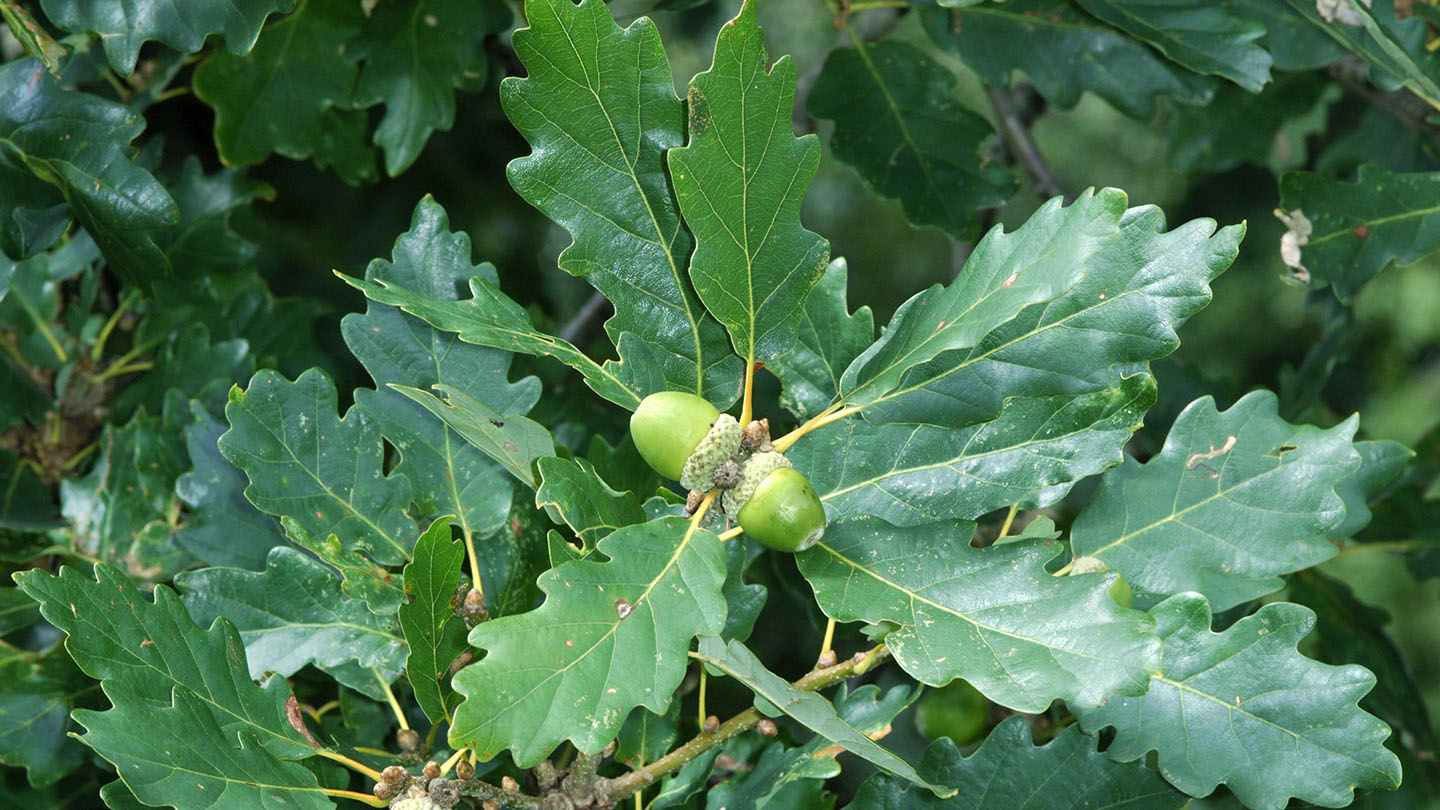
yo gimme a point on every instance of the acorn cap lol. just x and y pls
(752, 473)
(668, 426)
(719, 444)
(785, 513)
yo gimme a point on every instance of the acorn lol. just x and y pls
(752, 472)
(784, 513)
(684, 437)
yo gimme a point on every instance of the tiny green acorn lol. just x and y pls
(668, 426)
(784, 513)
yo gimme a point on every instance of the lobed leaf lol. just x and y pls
(1232, 501)
(1272, 723)
(1010, 772)
(1393, 46)
(35, 705)
(740, 180)
(600, 112)
(610, 636)
(992, 616)
(224, 528)
(583, 500)
(514, 441)
(830, 337)
(1204, 37)
(124, 25)
(435, 635)
(898, 123)
(322, 472)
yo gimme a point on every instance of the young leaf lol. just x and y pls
(292, 614)
(182, 24)
(598, 645)
(146, 652)
(1202, 36)
(1272, 723)
(584, 501)
(1010, 771)
(898, 123)
(740, 180)
(490, 318)
(1232, 501)
(599, 109)
(1063, 51)
(514, 441)
(809, 709)
(1135, 293)
(1361, 228)
(322, 472)
(992, 616)
(830, 337)
(224, 528)
(435, 634)
(910, 475)
(35, 709)
(79, 144)
(1006, 273)
(447, 474)
(275, 98)
(361, 578)
(415, 55)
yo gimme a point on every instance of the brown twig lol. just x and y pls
(1015, 119)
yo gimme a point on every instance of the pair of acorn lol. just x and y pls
(682, 436)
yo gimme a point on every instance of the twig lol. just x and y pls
(1402, 105)
(585, 326)
(1015, 129)
(874, 27)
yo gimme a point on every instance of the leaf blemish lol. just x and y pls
(623, 608)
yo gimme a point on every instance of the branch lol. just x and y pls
(585, 326)
(1015, 129)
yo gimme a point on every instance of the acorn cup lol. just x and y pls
(684, 437)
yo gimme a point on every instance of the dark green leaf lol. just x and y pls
(1063, 51)
(584, 501)
(1233, 501)
(1363, 227)
(17, 611)
(415, 55)
(910, 475)
(204, 239)
(224, 528)
(435, 634)
(292, 614)
(1394, 47)
(600, 111)
(830, 337)
(124, 25)
(992, 616)
(193, 365)
(1135, 293)
(809, 709)
(515, 441)
(646, 736)
(598, 645)
(1240, 126)
(79, 144)
(1380, 462)
(1010, 772)
(26, 508)
(1272, 723)
(362, 579)
(148, 651)
(740, 180)
(35, 703)
(321, 471)
(1006, 273)
(1293, 42)
(1198, 34)
(743, 602)
(898, 123)
(275, 98)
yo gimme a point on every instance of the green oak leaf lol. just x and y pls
(1394, 47)
(830, 337)
(415, 55)
(1380, 463)
(33, 38)
(898, 123)
(35, 728)
(491, 318)
(600, 111)
(1240, 126)
(378, 587)
(1232, 501)
(1272, 723)
(146, 651)
(583, 500)
(1004, 274)
(597, 645)
(740, 180)
(204, 239)
(743, 601)
(1293, 42)
(1063, 52)
(1135, 293)
(1009, 772)
(1197, 34)
(436, 636)
(809, 709)
(17, 611)
(291, 615)
(514, 441)
(447, 475)
(322, 472)
(647, 736)
(276, 97)
(910, 475)
(1360, 228)
(27, 510)
(185, 751)
(993, 616)
(192, 364)
(124, 25)
(224, 528)
(79, 145)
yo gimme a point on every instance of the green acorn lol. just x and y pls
(784, 513)
(668, 426)
(752, 473)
